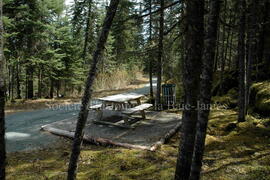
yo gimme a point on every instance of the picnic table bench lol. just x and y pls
(123, 103)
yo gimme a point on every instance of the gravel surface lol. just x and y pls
(23, 128)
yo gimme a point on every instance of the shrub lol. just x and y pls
(117, 79)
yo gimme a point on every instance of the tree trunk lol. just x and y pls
(18, 81)
(160, 53)
(266, 51)
(231, 46)
(252, 45)
(87, 32)
(58, 86)
(230, 52)
(12, 83)
(30, 83)
(228, 49)
(205, 88)
(40, 83)
(191, 78)
(150, 57)
(241, 61)
(2, 100)
(26, 85)
(228, 40)
(9, 81)
(263, 32)
(217, 52)
(31, 48)
(111, 11)
(52, 88)
(223, 59)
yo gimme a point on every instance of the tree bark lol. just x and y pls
(30, 83)
(18, 81)
(87, 32)
(266, 51)
(217, 52)
(205, 88)
(2, 100)
(40, 82)
(252, 46)
(51, 88)
(230, 64)
(150, 57)
(263, 32)
(160, 53)
(241, 61)
(191, 78)
(9, 81)
(31, 48)
(223, 59)
(228, 39)
(12, 82)
(111, 11)
(230, 52)
(58, 86)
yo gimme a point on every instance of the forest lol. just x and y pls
(194, 74)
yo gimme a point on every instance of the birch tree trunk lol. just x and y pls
(2, 100)
(210, 43)
(191, 78)
(111, 11)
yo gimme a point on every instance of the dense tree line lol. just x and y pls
(231, 45)
(207, 46)
(47, 44)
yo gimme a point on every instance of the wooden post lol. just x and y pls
(142, 111)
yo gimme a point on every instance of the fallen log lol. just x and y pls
(90, 139)
(106, 142)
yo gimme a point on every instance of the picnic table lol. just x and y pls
(124, 103)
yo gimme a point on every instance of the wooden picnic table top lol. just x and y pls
(121, 98)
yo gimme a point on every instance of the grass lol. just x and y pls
(118, 79)
(243, 153)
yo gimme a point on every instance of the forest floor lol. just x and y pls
(24, 105)
(232, 152)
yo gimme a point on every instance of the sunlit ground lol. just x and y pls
(241, 152)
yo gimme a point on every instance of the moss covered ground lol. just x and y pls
(242, 152)
(260, 97)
